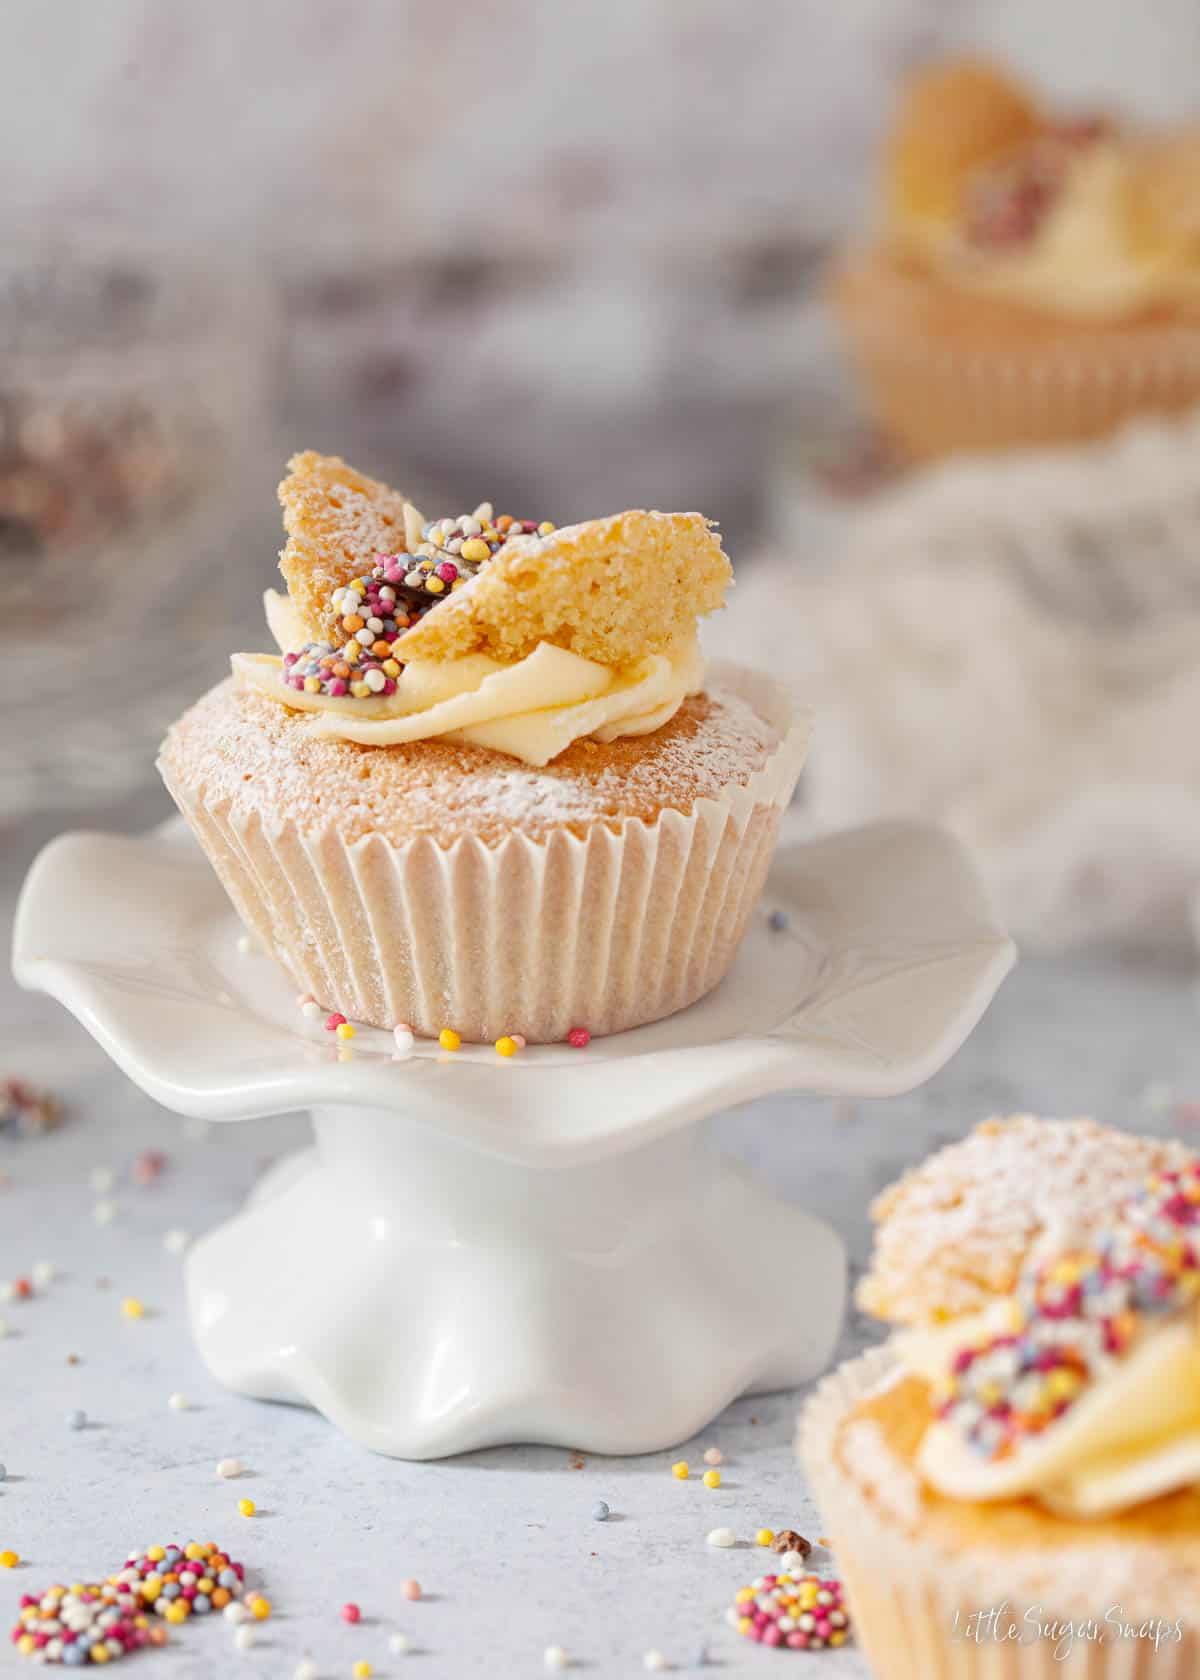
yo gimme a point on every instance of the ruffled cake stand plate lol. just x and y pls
(545, 1248)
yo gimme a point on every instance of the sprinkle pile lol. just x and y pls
(94, 1623)
(24, 1111)
(1076, 1315)
(799, 1612)
(181, 1581)
(375, 610)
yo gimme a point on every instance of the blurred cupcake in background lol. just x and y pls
(1034, 277)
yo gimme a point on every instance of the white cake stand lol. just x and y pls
(481, 1250)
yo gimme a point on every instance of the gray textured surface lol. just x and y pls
(502, 1540)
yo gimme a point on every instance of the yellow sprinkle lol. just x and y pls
(99, 1652)
(764, 1537)
(545, 528)
(9, 1560)
(260, 1608)
(155, 1553)
(360, 690)
(177, 1611)
(680, 1470)
(312, 685)
(475, 549)
(506, 1046)
(1061, 1385)
(132, 1307)
(449, 1039)
(247, 1507)
(359, 585)
(344, 1030)
(194, 1550)
(391, 668)
(435, 585)
(361, 1671)
(712, 1478)
(26, 1643)
(352, 653)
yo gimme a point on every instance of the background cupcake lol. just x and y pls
(1034, 278)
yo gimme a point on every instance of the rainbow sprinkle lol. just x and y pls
(1076, 1315)
(798, 1612)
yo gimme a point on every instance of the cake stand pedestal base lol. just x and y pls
(429, 1299)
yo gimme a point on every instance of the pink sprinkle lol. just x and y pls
(411, 1589)
(714, 1455)
(579, 1038)
(518, 1039)
(338, 687)
(447, 571)
(332, 1022)
(389, 686)
(351, 1613)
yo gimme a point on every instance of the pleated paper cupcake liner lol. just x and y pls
(923, 1614)
(937, 386)
(612, 929)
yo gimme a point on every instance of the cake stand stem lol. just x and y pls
(430, 1298)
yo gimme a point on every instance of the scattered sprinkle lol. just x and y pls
(43, 1273)
(411, 1589)
(245, 944)
(779, 921)
(712, 1478)
(714, 1455)
(555, 1657)
(149, 1166)
(311, 1009)
(104, 1212)
(244, 1637)
(508, 1046)
(246, 1507)
(334, 1021)
(132, 1307)
(361, 1670)
(102, 1179)
(579, 1038)
(723, 1537)
(26, 1111)
(601, 1511)
(801, 1612)
(176, 1241)
(9, 1560)
(344, 1029)
(306, 1669)
(260, 1607)
(228, 1467)
(680, 1469)
(177, 1402)
(351, 1613)
(764, 1537)
(403, 1038)
(76, 1419)
(654, 1662)
(519, 1040)
(399, 1644)
(449, 1039)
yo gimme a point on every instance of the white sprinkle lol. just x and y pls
(375, 680)
(244, 1637)
(245, 944)
(236, 1612)
(414, 578)
(178, 1402)
(375, 624)
(654, 1661)
(555, 1657)
(102, 1180)
(733, 1616)
(175, 1240)
(306, 1669)
(8, 1291)
(403, 1039)
(229, 1467)
(714, 1455)
(311, 1010)
(364, 637)
(3, 1328)
(485, 513)
(469, 526)
(104, 1212)
(399, 1644)
(386, 593)
(721, 1537)
(44, 1273)
(792, 1560)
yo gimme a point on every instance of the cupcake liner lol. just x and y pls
(912, 1603)
(948, 370)
(620, 926)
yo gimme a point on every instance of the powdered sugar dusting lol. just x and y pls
(955, 1231)
(267, 761)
